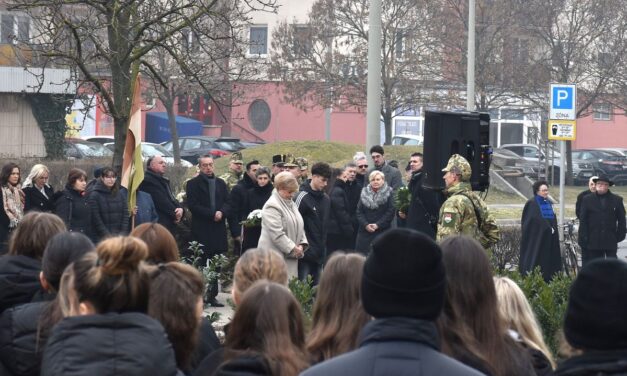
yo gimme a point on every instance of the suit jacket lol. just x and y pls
(205, 230)
(601, 228)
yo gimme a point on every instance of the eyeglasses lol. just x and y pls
(363, 166)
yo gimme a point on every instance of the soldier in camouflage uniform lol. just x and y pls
(304, 169)
(464, 212)
(291, 165)
(232, 177)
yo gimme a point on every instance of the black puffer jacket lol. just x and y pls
(394, 346)
(20, 351)
(594, 363)
(73, 208)
(340, 217)
(109, 211)
(109, 344)
(19, 280)
(314, 206)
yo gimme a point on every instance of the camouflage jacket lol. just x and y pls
(231, 179)
(458, 216)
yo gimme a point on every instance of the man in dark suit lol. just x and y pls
(207, 197)
(602, 222)
(157, 185)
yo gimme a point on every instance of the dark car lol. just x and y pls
(605, 162)
(193, 147)
(75, 148)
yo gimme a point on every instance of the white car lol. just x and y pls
(407, 140)
(150, 150)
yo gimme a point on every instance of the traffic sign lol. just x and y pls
(562, 130)
(563, 102)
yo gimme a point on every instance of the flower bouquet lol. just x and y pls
(402, 199)
(253, 219)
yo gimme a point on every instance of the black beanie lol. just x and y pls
(404, 276)
(596, 317)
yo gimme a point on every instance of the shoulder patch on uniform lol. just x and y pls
(449, 219)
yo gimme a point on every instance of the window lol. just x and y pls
(400, 43)
(512, 114)
(520, 51)
(602, 111)
(303, 41)
(258, 40)
(259, 115)
(6, 29)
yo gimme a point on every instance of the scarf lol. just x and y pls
(546, 210)
(13, 206)
(371, 199)
(211, 182)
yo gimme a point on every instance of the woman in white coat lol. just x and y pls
(282, 227)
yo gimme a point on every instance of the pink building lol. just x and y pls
(603, 127)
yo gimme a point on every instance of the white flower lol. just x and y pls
(255, 214)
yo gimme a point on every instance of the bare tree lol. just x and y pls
(576, 41)
(106, 42)
(323, 61)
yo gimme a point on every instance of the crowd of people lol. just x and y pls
(90, 286)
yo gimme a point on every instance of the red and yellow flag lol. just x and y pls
(132, 165)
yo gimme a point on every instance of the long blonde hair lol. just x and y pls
(518, 315)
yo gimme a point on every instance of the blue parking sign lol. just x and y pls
(563, 98)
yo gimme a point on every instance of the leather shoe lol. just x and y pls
(215, 303)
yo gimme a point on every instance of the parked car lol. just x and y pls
(582, 169)
(512, 162)
(150, 150)
(249, 145)
(618, 151)
(229, 144)
(605, 162)
(408, 140)
(75, 148)
(193, 147)
(99, 139)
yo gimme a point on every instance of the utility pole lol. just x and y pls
(373, 113)
(470, 72)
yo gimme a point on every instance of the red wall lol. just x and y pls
(601, 133)
(289, 123)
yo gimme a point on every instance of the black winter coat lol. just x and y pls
(109, 344)
(340, 217)
(4, 229)
(381, 215)
(423, 211)
(19, 280)
(158, 187)
(394, 346)
(314, 207)
(601, 227)
(237, 204)
(539, 245)
(34, 200)
(74, 210)
(109, 211)
(594, 363)
(20, 351)
(256, 197)
(205, 230)
(208, 342)
(579, 201)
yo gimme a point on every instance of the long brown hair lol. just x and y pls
(338, 315)
(33, 233)
(470, 325)
(114, 280)
(269, 322)
(161, 244)
(175, 291)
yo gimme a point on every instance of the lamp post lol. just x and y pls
(470, 64)
(373, 113)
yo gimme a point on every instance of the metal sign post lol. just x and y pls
(562, 126)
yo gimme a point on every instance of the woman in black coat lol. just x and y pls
(255, 198)
(340, 224)
(375, 211)
(71, 204)
(540, 245)
(109, 210)
(37, 192)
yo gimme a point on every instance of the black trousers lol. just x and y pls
(311, 268)
(588, 255)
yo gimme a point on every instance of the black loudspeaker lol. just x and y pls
(464, 133)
